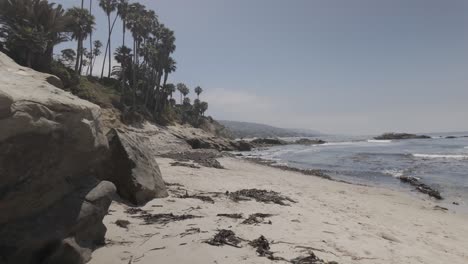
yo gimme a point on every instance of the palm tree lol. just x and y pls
(169, 67)
(67, 57)
(122, 11)
(96, 52)
(30, 29)
(203, 107)
(81, 27)
(198, 90)
(170, 89)
(108, 6)
(183, 90)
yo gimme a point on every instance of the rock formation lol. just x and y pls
(51, 143)
(132, 168)
(389, 136)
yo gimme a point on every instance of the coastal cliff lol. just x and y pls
(51, 143)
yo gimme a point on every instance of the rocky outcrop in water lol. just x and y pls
(133, 168)
(421, 187)
(390, 136)
(51, 144)
(267, 142)
(307, 141)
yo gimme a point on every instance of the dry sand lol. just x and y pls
(341, 222)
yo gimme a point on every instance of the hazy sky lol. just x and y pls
(337, 66)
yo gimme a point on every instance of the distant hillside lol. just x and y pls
(248, 130)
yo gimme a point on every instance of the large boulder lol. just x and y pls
(51, 144)
(133, 168)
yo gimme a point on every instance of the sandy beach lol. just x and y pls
(337, 221)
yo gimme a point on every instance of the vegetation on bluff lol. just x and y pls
(30, 29)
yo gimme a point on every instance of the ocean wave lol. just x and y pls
(379, 140)
(339, 143)
(466, 147)
(440, 156)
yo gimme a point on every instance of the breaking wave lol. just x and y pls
(440, 156)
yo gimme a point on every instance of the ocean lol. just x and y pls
(440, 162)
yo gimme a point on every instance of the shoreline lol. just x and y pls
(415, 183)
(336, 221)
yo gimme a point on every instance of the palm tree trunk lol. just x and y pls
(123, 33)
(166, 75)
(81, 61)
(104, 61)
(78, 51)
(90, 66)
(110, 56)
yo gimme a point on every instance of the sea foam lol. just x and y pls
(395, 173)
(440, 156)
(379, 140)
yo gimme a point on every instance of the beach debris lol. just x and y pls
(421, 187)
(455, 203)
(225, 237)
(263, 246)
(256, 218)
(133, 211)
(173, 184)
(192, 231)
(203, 158)
(122, 223)
(311, 259)
(157, 248)
(437, 207)
(262, 196)
(166, 218)
(309, 172)
(390, 237)
(183, 164)
(203, 198)
(163, 218)
(235, 216)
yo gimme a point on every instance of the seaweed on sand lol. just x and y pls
(262, 196)
(225, 237)
(311, 259)
(263, 248)
(183, 164)
(203, 158)
(235, 216)
(203, 198)
(256, 218)
(164, 218)
(122, 223)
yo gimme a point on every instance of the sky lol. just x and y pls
(337, 66)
